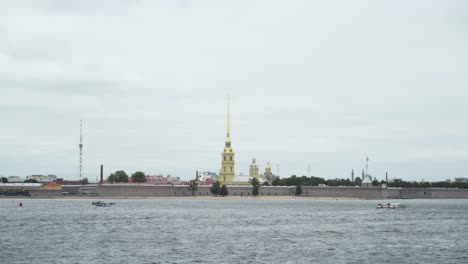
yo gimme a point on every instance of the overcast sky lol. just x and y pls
(320, 84)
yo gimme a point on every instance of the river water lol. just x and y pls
(233, 231)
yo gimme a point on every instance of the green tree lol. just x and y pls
(215, 188)
(4, 180)
(224, 191)
(31, 181)
(276, 181)
(298, 191)
(193, 184)
(138, 176)
(84, 181)
(375, 183)
(358, 181)
(121, 176)
(255, 186)
(266, 183)
(111, 178)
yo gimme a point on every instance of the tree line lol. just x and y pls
(315, 181)
(121, 176)
(440, 184)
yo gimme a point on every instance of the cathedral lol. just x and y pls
(227, 172)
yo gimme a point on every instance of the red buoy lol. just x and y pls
(21, 204)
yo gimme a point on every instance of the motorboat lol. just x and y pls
(391, 206)
(101, 203)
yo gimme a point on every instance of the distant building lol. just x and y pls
(20, 186)
(66, 182)
(367, 180)
(268, 175)
(161, 180)
(461, 179)
(207, 175)
(15, 179)
(253, 169)
(42, 178)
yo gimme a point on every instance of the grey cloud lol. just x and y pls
(312, 83)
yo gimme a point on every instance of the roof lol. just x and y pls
(22, 184)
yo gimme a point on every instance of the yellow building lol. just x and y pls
(52, 186)
(253, 169)
(226, 173)
(268, 169)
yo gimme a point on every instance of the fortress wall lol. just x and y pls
(344, 192)
(116, 190)
(433, 193)
(416, 193)
(391, 193)
(449, 193)
(263, 191)
(46, 193)
(122, 190)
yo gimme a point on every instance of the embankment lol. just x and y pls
(147, 191)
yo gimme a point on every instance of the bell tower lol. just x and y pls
(253, 169)
(226, 174)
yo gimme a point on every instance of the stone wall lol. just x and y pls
(135, 190)
(46, 193)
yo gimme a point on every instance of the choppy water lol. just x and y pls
(212, 231)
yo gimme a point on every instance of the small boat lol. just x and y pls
(101, 203)
(391, 206)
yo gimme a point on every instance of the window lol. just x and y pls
(231, 169)
(231, 158)
(224, 157)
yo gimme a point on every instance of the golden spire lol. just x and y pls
(228, 128)
(228, 133)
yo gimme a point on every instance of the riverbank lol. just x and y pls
(122, 191)
(251, 198)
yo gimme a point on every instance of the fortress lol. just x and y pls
(227, 171)
(148, 191)
(237, 186)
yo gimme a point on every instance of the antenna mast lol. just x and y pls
(367, 165)
(81, 149)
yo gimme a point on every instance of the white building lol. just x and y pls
(367, 180)
(15, 179)
(43, 178)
